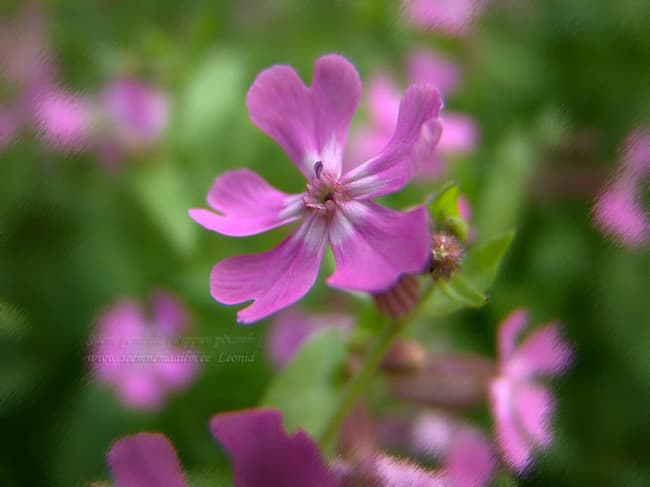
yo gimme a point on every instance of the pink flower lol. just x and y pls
(64, 120)
(135, 354)
(137, 111)
(459, 135)
(8, 126)
(618, 210)
(452, 18)
(293, 327)
(521, 405)
(372, 245)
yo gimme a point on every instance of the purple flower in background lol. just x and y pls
(521, 405)
(618, 211)
(135, 354)
(452, 18)
(64, 120)
(293, 327)
(137, 111)
(145, 460)
(372, 245)
(459, 135)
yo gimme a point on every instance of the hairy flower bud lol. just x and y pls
(399, 300)
(404, 357)
(446, 256)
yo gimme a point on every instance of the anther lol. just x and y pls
(318, 169)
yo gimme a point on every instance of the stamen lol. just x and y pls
(318, 169)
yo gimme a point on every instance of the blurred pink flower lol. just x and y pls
(64, 120)
(452, 18)
(464, 450)
(618, 211)
(293, 327)
(8, 127)
(137, 112)
(372, 245)
(459, 134)
(521, 405)
(136, 355)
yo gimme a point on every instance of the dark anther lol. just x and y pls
(318, 169)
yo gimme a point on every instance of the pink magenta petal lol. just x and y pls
(424, 66)
(470, 461)
(383, 102)
(392, 169)
(139, 388)
(294, 327)
(335, 95)
(170, 317)
(508, 332)
(264, 455)
(618, 214)
(247, 205)
(309, 124)
(459, 134)
(64, 120)
(515, 449)
(534, 407)
(374, 245)
(145, 460)
(449, 17)
(544, 352)
(394, 472)
(273, 279)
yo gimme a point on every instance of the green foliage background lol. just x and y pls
(538, 75)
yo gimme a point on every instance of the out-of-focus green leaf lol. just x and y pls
(161, 192)
(482, 263)
(443, 209)
(505, 185)
(466, 289)
(211, 93)
(305, 391)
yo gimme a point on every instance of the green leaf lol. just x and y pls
(452, 295)
(443, 209)
(482, 263)
(161, 192)
(305, 390)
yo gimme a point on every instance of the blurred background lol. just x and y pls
(94, 196)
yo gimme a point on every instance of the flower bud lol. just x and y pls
(404, 357)
(447, 381)
(399, 300)
(446, 256)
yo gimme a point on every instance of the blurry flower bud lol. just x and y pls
(448, 381)
(446, 256)
(399, 300)
(404, 357)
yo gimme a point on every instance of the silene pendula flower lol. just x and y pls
(618, 211)
(136, 354)
(521, 404)
(459, 135)
(262, 454)
(293, 327)
(452, 18)
(372, 245)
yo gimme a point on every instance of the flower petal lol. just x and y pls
(373, 245)
(309, 124)
(418, 128)
(424, 66)
(509, 330)
(335, 95)
(169, 316)
(248, 205)
(470, 461)
(278, 103)
(544, 352)
(393, 472)
(273, 279)
(459, 134)
(534, 407)
(263, 454)
(515, 449)
(145, 460)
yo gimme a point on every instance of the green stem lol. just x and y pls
(359, 382)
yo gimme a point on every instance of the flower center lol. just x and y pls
(324, 191)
